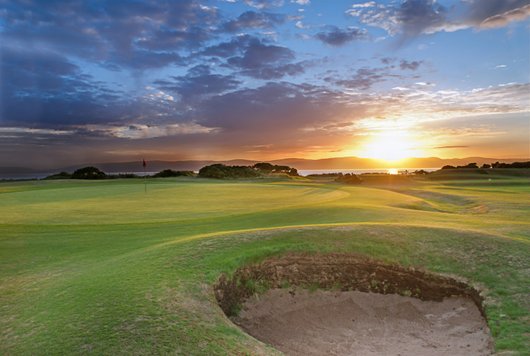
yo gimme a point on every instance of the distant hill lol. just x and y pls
(298, 163)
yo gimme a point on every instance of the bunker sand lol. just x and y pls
(301, 322)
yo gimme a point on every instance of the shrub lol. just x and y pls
(220, 171)
(88, 173)
(268, 168)
(171, 173)
(61, 175)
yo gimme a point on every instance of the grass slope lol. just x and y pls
(103, 267)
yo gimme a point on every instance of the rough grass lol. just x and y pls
(103, 267)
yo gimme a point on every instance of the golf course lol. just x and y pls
(105, 267)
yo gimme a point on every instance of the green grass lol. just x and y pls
(101, 267)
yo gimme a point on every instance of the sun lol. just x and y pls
(390, 147)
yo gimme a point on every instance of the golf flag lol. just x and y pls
(144, 164)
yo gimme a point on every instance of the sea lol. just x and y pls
(306, 172)
(302, 172)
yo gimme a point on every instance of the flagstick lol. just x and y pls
(145, 176)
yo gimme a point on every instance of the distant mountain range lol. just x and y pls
(298, 163)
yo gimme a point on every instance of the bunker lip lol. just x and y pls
(337, 271)
(413, 312)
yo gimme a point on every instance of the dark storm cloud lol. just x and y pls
(199, 81)
(338, 37)
(257, 58)
(258, 54)
(261, 60)
(110, 32)
(417, 16)
(253, 19)
(265, 109)
(228, 49)
(43, 88)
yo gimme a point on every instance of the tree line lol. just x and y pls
(218, 171)
(492, 165)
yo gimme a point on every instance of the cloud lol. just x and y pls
(247, 121)
(300, 25)
(264, 4)
(110, 33)
(198, 81)
(147, 131)
(261, 60)
(253, 19)
(42, 88)
(363, 79)
(301, 2)
(338, 37)
(503, 19)
(494, 13)
(412, 65)
(411, 18)
(229, 48)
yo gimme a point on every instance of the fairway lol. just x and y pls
(103, 267)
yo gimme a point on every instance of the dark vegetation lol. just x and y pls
(88, 173)
(264, 169)
(218, 171)
(95, 173)
(60, 175)
(171, 173)
(493, 165)
(221, 171)
(268, 168)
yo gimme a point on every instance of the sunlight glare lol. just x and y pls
(389, 147)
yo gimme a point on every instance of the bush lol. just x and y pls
(268, 168)
(470, 165)
(220, 171)
(61, 175)
(171, 173)
(88, 173)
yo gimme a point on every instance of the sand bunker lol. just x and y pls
(357, 323)
(378, 309)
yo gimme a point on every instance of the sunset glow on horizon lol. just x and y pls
(116, 81)
(390, 147)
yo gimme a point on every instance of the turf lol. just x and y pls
(105, 268)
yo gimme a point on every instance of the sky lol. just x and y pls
(110, 81)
